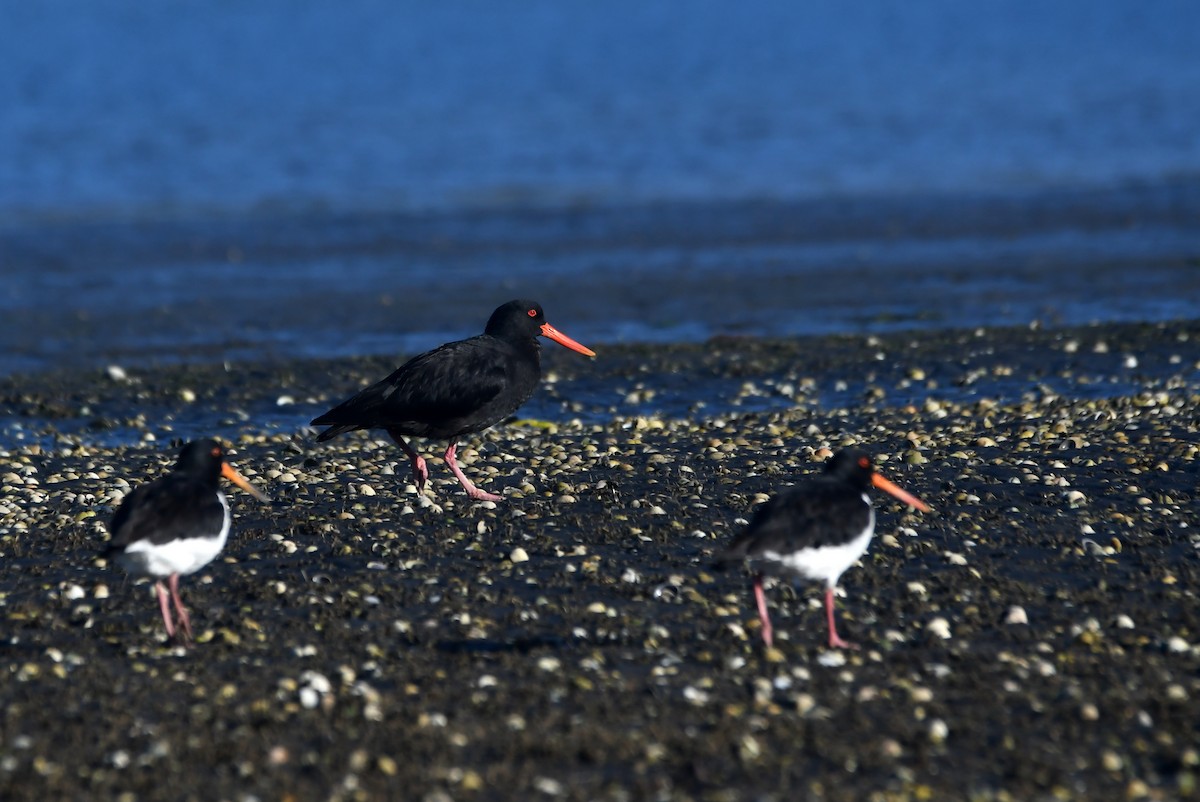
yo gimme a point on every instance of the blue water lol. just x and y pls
(203, 175)
(148, 108)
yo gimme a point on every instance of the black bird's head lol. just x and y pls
(522, 319)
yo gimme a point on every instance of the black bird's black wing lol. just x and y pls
(172, 507)
(449, 383)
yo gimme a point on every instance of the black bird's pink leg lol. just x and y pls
(834, 641)
(184, 621)
(164, 604)
(768, 635)
(472, 491)
(419, 469)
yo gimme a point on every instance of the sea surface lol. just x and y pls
(227, 180)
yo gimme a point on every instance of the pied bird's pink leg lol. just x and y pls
(472, 490)
(164, 604)
(419, 469)
(184, 621)
(834, 641)
(760, 597)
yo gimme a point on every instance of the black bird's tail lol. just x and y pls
(334, 431)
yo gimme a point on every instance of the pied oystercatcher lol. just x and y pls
(459, 388)
(176, 524)
(815, 531)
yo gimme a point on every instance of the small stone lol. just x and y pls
(1178, 645)
(939, 628)
(1016, 615)
(832, 659)
(518, 555)
(548, 786)
(938, 730)
(309, 698)
(318, 682)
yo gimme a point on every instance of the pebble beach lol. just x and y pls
(1036, 636)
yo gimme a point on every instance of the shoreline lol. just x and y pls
(357, 640)
(124, 404)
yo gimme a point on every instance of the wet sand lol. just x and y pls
(1037, 636)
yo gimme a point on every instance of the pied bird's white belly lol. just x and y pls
(182, 556)
(825, 563)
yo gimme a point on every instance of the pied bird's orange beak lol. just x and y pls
(229, 473)
(893, 489)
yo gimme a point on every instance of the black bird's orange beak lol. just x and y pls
(907, 498)
(229, 473)
(562, 339)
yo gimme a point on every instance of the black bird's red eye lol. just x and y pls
(216, 452)
(532, 313)
(864, 462)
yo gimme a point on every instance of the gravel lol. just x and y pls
(1037, 636)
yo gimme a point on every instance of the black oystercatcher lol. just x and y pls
(176, 524)
(815, 530)
(457, 389)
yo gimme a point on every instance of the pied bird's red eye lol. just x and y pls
(532, 313)
(863, 462)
